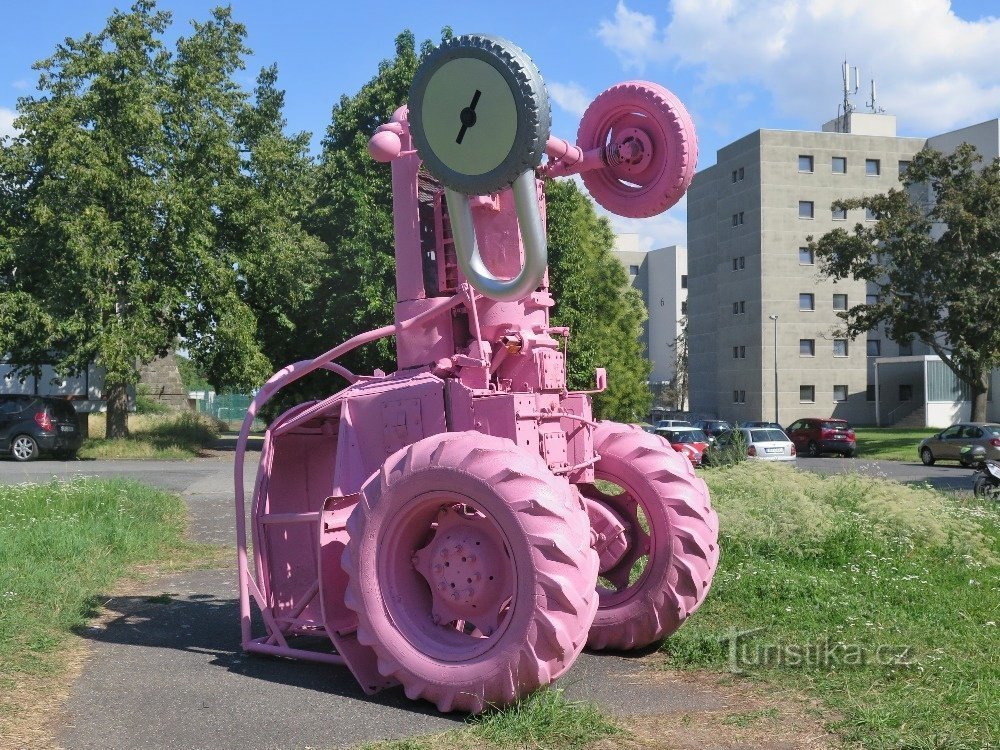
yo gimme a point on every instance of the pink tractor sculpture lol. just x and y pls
(443, 527)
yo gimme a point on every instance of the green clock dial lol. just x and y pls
(478, 113)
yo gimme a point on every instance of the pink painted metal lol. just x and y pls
(439, 527)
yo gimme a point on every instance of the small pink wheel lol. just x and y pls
(651, 144)
(657, 537)
(470, 570)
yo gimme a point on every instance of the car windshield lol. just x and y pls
(993, 429)
(835, 425)
(767, 436)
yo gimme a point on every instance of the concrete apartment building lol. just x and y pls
(660, 276)
(748, 219)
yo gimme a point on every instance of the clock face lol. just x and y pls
(469, 116)
(478, 113)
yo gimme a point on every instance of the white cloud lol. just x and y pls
(7, 123)
(934, 70)
(570, 96)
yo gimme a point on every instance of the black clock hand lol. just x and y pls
(468, 116)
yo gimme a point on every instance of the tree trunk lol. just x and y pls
(117, 419)
(979, 390)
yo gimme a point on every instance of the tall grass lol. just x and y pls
(178, 435)
(844, 565)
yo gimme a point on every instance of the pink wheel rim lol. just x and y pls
(448, 576)
(640, 543)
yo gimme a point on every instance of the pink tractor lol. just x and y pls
(464, 527)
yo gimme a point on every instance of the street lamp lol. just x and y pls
(775, 319)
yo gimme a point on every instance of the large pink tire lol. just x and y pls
(677, 555)
(467, 507)
(657, 118)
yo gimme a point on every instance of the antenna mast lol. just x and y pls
(873, 104)
(847, 106)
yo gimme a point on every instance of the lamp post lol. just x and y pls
(775, 319)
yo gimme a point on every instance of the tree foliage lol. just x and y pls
(933, 254)
(149, 198)
(593, 297)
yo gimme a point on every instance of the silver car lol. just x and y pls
(949, 442)
(763, 443)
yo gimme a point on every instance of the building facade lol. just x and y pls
(765, 340)
(660, 276)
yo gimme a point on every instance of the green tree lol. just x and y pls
(933, 254)
(593, 297)
(128, 217)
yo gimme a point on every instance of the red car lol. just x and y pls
(816, 436)
(690, 441)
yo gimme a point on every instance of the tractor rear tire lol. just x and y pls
(471, 571)
(670, 526)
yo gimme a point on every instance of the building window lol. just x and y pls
(840, 393)
(840, 347)
(807, 394)
(737, 219)
(904, 166)
(872, 167)
(736, 352)
(743, 262)
(741, 174)
(633, 270)
(840, 302)
(734, 264)
(684, 281)
(734, 219)
(805, 163)
(905, 392)
(870, 393)
(906, 348)
(839, 214)
(739, 263)
(807, 347)
(805, 209)
(870, 215)
(874, 347)
(838, 165)
(871, 299)
(806, 257)
(684, 307)
(807, 301)
(734, 175)
(743, 352)
(743, 306)
(741, 217)
(739, 397)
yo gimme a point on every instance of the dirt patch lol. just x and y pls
(748, 719)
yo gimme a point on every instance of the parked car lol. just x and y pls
(645, 427)
(815, 436)
(690, 441)
(672, 423)
(771, 425)
(949, 442)
(713, 427)
(31, 426)
(763, 443)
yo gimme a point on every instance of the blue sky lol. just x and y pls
(738, 65)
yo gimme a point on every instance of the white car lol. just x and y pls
(763, 443)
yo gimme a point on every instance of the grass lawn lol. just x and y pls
(61, 545)
(879, 599)
(178, 435)
(890, 443)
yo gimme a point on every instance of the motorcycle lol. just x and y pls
(986, 481)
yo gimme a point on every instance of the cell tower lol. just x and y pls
(845, 108)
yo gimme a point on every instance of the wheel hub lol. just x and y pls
(467, 570)
(608, 534)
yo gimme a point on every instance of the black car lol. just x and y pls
(713, 427)
(33, 425)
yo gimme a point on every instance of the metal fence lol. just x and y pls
(230, 408)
